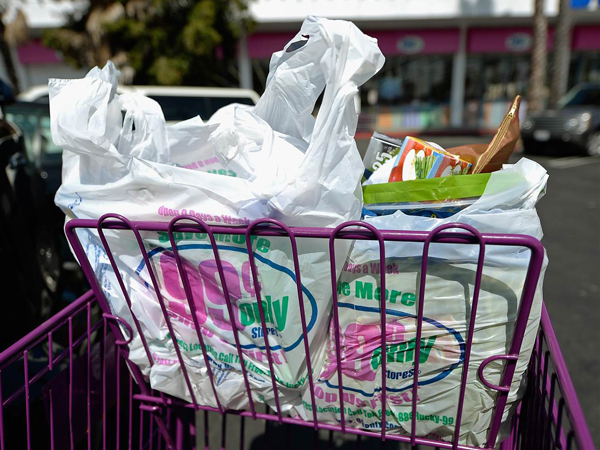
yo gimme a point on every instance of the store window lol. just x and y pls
(406, 80)
(492, 82)
(496, 77)
(409, 93)
(585, 68)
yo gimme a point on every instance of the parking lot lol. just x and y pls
(570, 214)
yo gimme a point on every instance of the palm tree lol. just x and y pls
(156, 41)
(562, 53)
(84, 42)
(91, 44)
(539, 57)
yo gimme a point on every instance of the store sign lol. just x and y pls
(519, 42)
(410, 44)
(582, 4)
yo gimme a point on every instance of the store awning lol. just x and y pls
(412, 42)
(502, 40)
(586, 38)
(406, 42)
(441, 41)
(263, 45)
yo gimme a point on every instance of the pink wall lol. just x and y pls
(434, 40)
(441, 41)
(586, 38)
(35, 53)
(262, 45)
(499, 40)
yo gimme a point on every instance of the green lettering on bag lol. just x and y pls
(364, 291)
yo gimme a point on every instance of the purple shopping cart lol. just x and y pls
(70, 382)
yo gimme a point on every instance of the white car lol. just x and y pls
(177, 103)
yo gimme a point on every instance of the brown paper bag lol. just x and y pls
(489, 158)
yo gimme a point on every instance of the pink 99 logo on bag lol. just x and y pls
(209, 300)
(361, 352)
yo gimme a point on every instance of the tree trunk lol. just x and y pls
(8, 61)
(562, 53)
(539, 57)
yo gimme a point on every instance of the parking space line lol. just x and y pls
(572, 161)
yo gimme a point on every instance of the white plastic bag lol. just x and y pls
(279, 162)
(506, 206)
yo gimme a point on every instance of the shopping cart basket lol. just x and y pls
(69, 384)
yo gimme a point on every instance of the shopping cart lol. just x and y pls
(69, 383)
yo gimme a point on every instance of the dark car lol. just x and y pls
(574, 124)
(34, 171)
(42, 160)
(27, 300)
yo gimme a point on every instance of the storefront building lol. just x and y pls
(449, 63)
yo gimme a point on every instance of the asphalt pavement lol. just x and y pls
(570, 216)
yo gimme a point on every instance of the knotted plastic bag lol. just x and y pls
(279, 162)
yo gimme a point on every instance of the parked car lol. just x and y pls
(28, 297)
(574, 123)
(181, 103)
(177, 103)
(38, 165)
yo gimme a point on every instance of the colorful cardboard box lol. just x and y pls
(418, 160)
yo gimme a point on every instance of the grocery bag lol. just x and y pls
(489, 158)
(505, 205)
(274, 160)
